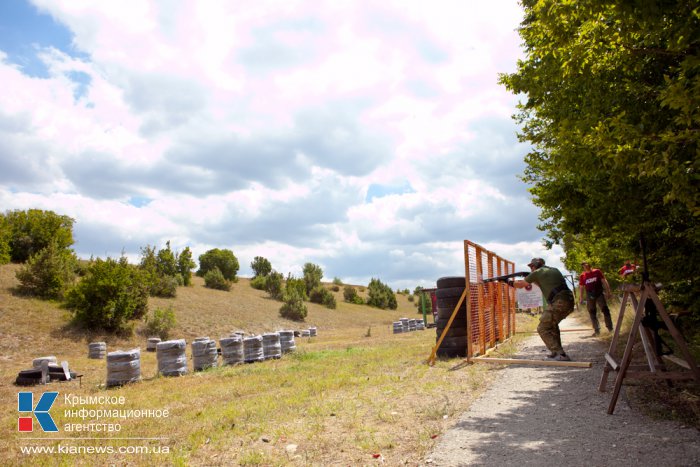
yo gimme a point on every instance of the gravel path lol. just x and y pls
(555, 416)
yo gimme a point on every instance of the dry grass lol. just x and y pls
(354, 392)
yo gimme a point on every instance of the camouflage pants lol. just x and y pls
(548, 329)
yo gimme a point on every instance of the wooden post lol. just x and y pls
(468, 297)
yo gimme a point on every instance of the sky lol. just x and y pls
(369, 138)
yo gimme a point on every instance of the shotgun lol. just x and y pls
(506, 278)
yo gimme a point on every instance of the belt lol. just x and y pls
(555, 291)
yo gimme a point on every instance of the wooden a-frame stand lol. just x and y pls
(656, 369)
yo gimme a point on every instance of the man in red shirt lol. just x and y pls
(627, 269)
(596, 287)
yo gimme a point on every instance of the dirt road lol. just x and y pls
(553, 416)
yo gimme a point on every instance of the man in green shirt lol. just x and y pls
(560, 302)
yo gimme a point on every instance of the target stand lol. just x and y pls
(655, 369)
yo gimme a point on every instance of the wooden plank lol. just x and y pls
(677, 361)
(520, 361)
(611, 361)
(431, 359)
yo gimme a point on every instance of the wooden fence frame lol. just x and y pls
(491, 313)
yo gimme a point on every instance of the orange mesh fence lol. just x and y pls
(490, 306)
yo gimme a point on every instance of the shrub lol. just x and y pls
(261, 266)
(380, 295)
(337, 281)
(293, 307)
(312, 276)
(357, 300)
(49, 273)
(111, 293)
(329, 302)
(224, 260)
(273, 285)
(335, 288)
(160, 322)
(323, 296)
(164, 286)
(349, 294)
(410, 298)
(258, 282)
(214, 279)
(298, 284)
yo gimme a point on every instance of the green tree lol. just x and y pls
(612, 113)
(380, 295)
(49, 273)
(166, 261)
(312, 276)
(296, 283)
(32, 230)
(5, 238)
(273, 285)
(293, 307)
(223, 259)
(185, 264)
(109, 295)
(261, 266)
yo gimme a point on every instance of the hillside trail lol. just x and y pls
(555, 416)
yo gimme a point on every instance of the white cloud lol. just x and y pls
(260, 126)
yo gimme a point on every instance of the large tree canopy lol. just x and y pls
(612, 111)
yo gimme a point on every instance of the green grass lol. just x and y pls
(342, 397)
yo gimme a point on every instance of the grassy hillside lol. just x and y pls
(354, 392)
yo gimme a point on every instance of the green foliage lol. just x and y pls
(612, 111)
(258, 282)
(32, 230)
(293, 307)
(298, 284)
(185, 264)
(337, 281)
(5, 238)
(214, 279)
(162, 270)
(166, 261)
(335, 288)
(224, 260)
(273, 285)
(164, 286)
(261, 266)
(49, 273)
(380, 295)
(323, 296)
(357, 300)
(312, 276)
(111, 293)
(160, 322)
(349, 294)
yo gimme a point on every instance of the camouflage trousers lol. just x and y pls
(548, 329)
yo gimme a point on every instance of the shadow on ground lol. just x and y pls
(541, 415)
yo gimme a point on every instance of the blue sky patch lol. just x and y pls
(378, 191)
(139, 201)
(24, 31)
